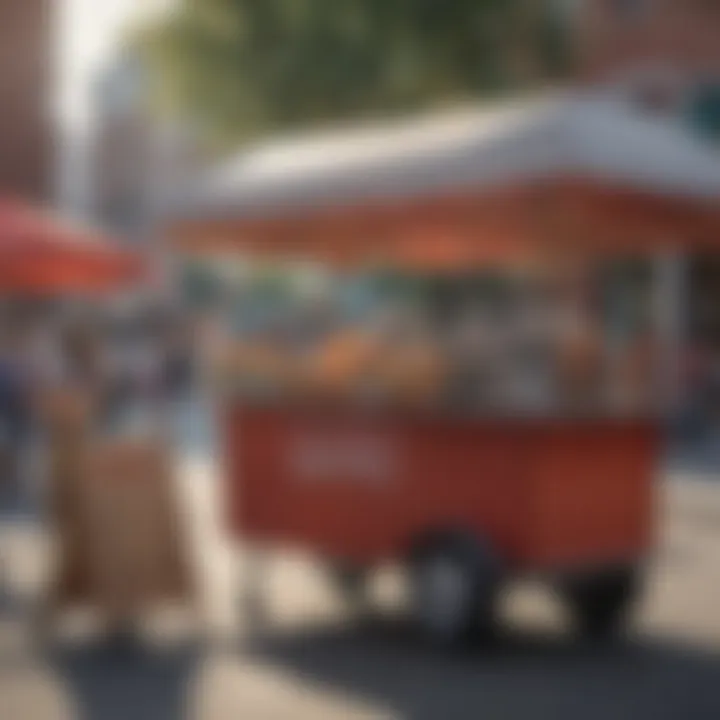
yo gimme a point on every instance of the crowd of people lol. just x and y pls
(129, 366)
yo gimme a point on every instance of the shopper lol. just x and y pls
(15, 404)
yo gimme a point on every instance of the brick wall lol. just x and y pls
(618, 36)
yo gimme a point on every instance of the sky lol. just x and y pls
(89, 31)
(87, 35)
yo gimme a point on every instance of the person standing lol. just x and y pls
(15, 402)
(74, 406)
(177, 349)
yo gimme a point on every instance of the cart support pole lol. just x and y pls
(253, 590)
(670, 318)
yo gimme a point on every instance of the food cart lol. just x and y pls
(468, 497)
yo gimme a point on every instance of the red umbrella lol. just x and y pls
(41, 253)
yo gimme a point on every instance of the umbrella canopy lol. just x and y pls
(42, 254)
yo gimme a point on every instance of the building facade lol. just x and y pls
(136, 156)
(621, 36)
(665, 53)
(122, 150)
(26, 152)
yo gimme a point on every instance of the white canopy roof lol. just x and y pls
(558, 135)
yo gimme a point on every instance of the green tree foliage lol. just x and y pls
(241, 67)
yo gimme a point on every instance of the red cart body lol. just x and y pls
(546, 494)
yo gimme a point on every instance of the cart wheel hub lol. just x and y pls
(443, 597)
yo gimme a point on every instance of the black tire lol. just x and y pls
(350, 582)
(601, 603)
(253, 608)
(454, 582)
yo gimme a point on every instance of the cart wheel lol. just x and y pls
(454, 583)
(601, 603)
(350, 581)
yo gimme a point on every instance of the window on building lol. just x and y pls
(705, 109)
(655, 89)
(629, 10)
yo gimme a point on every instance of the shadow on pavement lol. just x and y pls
(109, 682)
(521, 676)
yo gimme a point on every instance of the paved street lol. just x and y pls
(313, 662)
